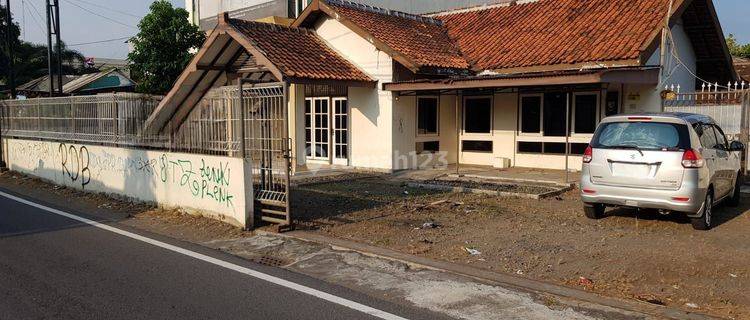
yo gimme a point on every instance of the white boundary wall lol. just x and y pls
(214, 186)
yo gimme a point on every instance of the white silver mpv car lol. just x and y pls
(673, 162)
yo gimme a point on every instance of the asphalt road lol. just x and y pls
(55, 267)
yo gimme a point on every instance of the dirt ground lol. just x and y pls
(637, 255)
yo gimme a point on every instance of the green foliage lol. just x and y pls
(737, 49)
(161, 50)
(15, 34)
(31, 59)
(31, 62)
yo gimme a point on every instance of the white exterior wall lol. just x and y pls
(370, 109)
(208, 185)
(647, 98)
(405, 134)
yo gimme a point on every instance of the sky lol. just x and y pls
(84, 21)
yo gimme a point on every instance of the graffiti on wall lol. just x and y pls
(202, 178)
(74, 163)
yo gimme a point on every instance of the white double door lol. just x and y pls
(327, 130)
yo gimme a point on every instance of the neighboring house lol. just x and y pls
(112, 80)
(109, 63)
(39, 87)
(203, 13)
(743, 68)
(492, 85)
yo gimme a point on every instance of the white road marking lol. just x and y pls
(255, 274)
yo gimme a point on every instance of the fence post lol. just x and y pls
(3, 164)
(73, 119)
(116, 123)
(745, 128)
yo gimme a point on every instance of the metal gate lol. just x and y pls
(730, 109)
(266, 144)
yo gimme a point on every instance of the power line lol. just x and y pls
(37, 23)
(100, 41)
(100, 15)
(109, 9)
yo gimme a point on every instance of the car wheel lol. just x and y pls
(595, 211)
(704, 221)
(735, 199)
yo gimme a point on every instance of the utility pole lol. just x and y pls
(11, 51)
(11, 79)
(53, 27)
(59, 48)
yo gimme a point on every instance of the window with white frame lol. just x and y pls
(427, 116)
(478, 115)
(541, 121)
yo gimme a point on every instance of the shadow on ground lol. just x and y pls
(722, 214)
(334, 202)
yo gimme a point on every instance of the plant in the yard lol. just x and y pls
(737, 49)
(163, 47)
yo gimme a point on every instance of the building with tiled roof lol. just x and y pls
(490, 85)
(742, 66)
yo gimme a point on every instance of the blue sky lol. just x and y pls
(81, 26)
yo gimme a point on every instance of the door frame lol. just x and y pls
(313, 128)
(334, 159)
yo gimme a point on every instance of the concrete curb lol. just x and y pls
(544, 195)
(505, 280)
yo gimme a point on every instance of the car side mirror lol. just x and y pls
(736, 146)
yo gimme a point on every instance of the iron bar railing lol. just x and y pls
(118, 119)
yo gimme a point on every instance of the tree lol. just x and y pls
(162, 48)
(31, 62)
(737, 49)
(15, 34)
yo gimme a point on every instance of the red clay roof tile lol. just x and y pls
(422, 40)
(298, 52)
(554, 32)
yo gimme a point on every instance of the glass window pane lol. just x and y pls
(554, 114)
(427, 116)
(478, 115)
(585, 113)
(531, 113)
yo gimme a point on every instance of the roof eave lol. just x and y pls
(633, 76)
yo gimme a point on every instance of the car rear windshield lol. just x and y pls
(642, 135)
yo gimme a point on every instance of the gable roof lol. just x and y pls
(297, 53)
(81, 83)
(557, 32)
(419, 43)
(41, 84)
(266, 51)
(517, 36)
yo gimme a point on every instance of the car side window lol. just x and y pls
(707, 137)
(721, 139)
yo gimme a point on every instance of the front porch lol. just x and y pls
(542, 121)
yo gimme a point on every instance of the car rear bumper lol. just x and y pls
(646, 198)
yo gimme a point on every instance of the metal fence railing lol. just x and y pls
(727, 108)
(103, 119)
(118, 119)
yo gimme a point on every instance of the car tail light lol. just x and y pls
(588, 154)
(639, 118)
(692, 159)
(589, 191)
(681, 199)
